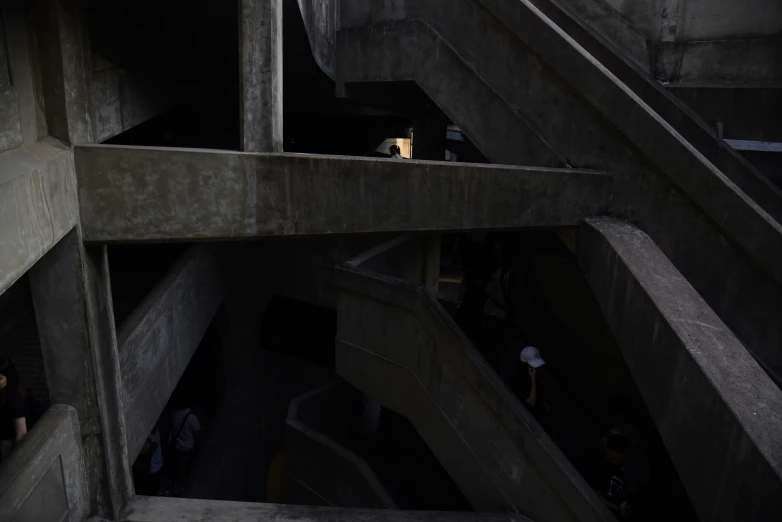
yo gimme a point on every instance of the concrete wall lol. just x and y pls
(397, 345)
(320, 465)
(45, 476)
(717, 411)
(154, 509)
(37, 204)
(160, 336)
(144, 194)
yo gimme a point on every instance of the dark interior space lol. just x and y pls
(284, 331)
(201, 388)
(182, 42)
(19, 340)
(403, 463)
(135, 269)
(588, 391)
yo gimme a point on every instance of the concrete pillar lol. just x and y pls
(73, 308)
(260, 57)
(429, 136)
(65, 68)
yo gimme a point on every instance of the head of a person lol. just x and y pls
(8, 376)
(394, 149)
(616, 449)
(531, 356)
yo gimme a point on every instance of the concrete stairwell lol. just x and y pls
(524, 90)
(399, 346)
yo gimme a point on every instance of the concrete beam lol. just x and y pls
(260, 67)
(718, 413)
(120, 101)
(154, 194)
(163, 509)
(161, 335)
(38, 204)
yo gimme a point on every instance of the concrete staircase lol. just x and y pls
(716, 410)
(397, 345)
(531, 84)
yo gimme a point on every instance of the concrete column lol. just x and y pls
(73, 309)
(260, 49)
(429, 136)
(65, 68)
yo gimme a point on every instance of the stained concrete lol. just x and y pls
(120, 101)
(397, 345)
(45, 477)
(260, 48)
(718, 413)
(321, 19)
(698, 217)
(700, 134)
(160, 336)
(159, 509)
(686, 40)
(411, 51)
(57, 285)
(38, 204)
(151, 194)
(63, 56)
(108, 383)
(24, 69)
(320, 465)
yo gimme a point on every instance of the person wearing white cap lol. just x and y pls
(531, 356)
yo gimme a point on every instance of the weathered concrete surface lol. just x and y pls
(160, 336)
(321, 465)
(162, 509)
(411, 51)
(38, 204)
(686, 40)
(260, 48)
(698, 133)
(65, 74)
(149, 194)
(45, 476)
(23, 61)
(397, 345)
(108, 382)
(57, 285)
(717, 411)
(121, 101)
(10, 128)
(698, 217)
(321, 20)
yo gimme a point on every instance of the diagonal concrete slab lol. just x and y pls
(396, 344)
(718, 413)
(155, 194)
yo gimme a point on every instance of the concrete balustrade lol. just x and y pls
(45, 478)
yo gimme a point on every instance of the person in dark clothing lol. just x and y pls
(18, 411)
(609, 477)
